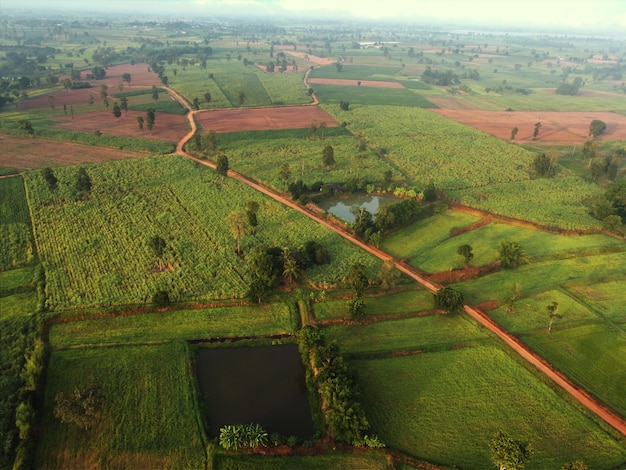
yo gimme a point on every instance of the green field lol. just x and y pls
(445, 407)
(132, 200)
(149, 417)
(16, 238)
(369, 96)
(356, 72)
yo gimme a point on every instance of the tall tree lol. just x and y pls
(388, 275)
(596, 128)
(150, 118)
(126, 77)
(83, 181)
(209, 141)
(117, 111)
(51, 179)
(357, 278)
(237, 223)
(536, 131)
(466, 252)
(513, 255)
(241, 97)
(252, 208)
(207, 97)
(290, 266)
(514, 132)
(285, 174)
(157, 244)
(155, 93)
(328, 155)
(449, 299)
(222, 166)
(553, 313)
(140, 122)
(508, 454)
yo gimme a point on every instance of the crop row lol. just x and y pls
(96, 251)
(16, 239)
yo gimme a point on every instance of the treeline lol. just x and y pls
(345, 418)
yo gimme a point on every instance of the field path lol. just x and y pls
(592, 404)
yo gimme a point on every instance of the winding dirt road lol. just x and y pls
(591, 403)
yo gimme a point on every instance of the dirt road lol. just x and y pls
(594, 405)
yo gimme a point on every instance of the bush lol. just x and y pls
(161, 298)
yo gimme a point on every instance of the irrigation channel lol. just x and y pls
(591, 403)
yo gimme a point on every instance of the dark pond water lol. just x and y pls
(263, 385)
(342, 206)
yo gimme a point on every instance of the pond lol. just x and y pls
(263, 385)
(341, 206)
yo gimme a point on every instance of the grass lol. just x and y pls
(217, 322)
(592, 355)
(607, 298)
(15, 280)
(403, 302)
(433, 332)
(444, 407)
(331, 459)
(356, 72)
(149, 418)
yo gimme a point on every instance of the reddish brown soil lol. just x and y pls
(369, 83)
(311, 58)
(27, 153)
(288, 117)
(555, 126)
(167, 127)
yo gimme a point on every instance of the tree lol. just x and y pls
(357, 278)
(209, 141)
(124, 103)
(155, 93)
(161, 298)
(196, 103)
(290, 266)
(356, 307)
(237, 223)
(126, 77)
(80, 407)
(117, 111)
(596, 128)
(514, 132)
(513, 255)
(508, 454)
(536, 131)
(285, 173)
(430, 192)
(51, 179)
(241, 97)
(140, 122)
(252, 207)
(575, 465)
(26, 126)
(222, 166)
(98, 73)
(157, 245)
(553, 310)
(388, 275)
(344, 105)
(466, 252)
(544, 165)
(150, 118)
(328, 155)
(83, 181)
(449, 299)
(207, 97)
(339, 66)
(613, 224)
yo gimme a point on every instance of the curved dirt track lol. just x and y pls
(592, 404)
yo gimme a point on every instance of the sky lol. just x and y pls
(563, 14)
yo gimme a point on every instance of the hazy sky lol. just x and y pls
(609, 14)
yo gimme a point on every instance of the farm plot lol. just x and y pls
(16, 238)
(288, 117)
(348, 82)
(149, 417)
(367, 96)
(356, 72)
(608, 297)
(446, 406)
(96, 252)
(28, 154)
(555, 126)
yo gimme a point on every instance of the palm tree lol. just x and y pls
(512, 255)
(238, 223)
(290, 267)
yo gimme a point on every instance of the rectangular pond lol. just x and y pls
(263, 385)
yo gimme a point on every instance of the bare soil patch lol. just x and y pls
(450, 102)
(555, 126)
(344, 82)
(28, 153)
(311, 58)
(167, 127)
(262, 119)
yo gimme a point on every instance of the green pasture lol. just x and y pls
(445, 407)
(397, 303)
(369, 96)
(547, 100)
(544, 275)
(16, 238)
(592, 355)
(143, 101)
(95, 251)
(432, 248)
(356, 72)
(205, 323)
(607, 298)
(331, 459)
(428, 333)
(426, 234)
(149, 416)
(15, 280)
(262, 156)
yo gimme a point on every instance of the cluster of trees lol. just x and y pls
(80, 407)
(82, 183)
(570, 88)
(344, 414)
(611, 208)
(440, 77)
(371, 228)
